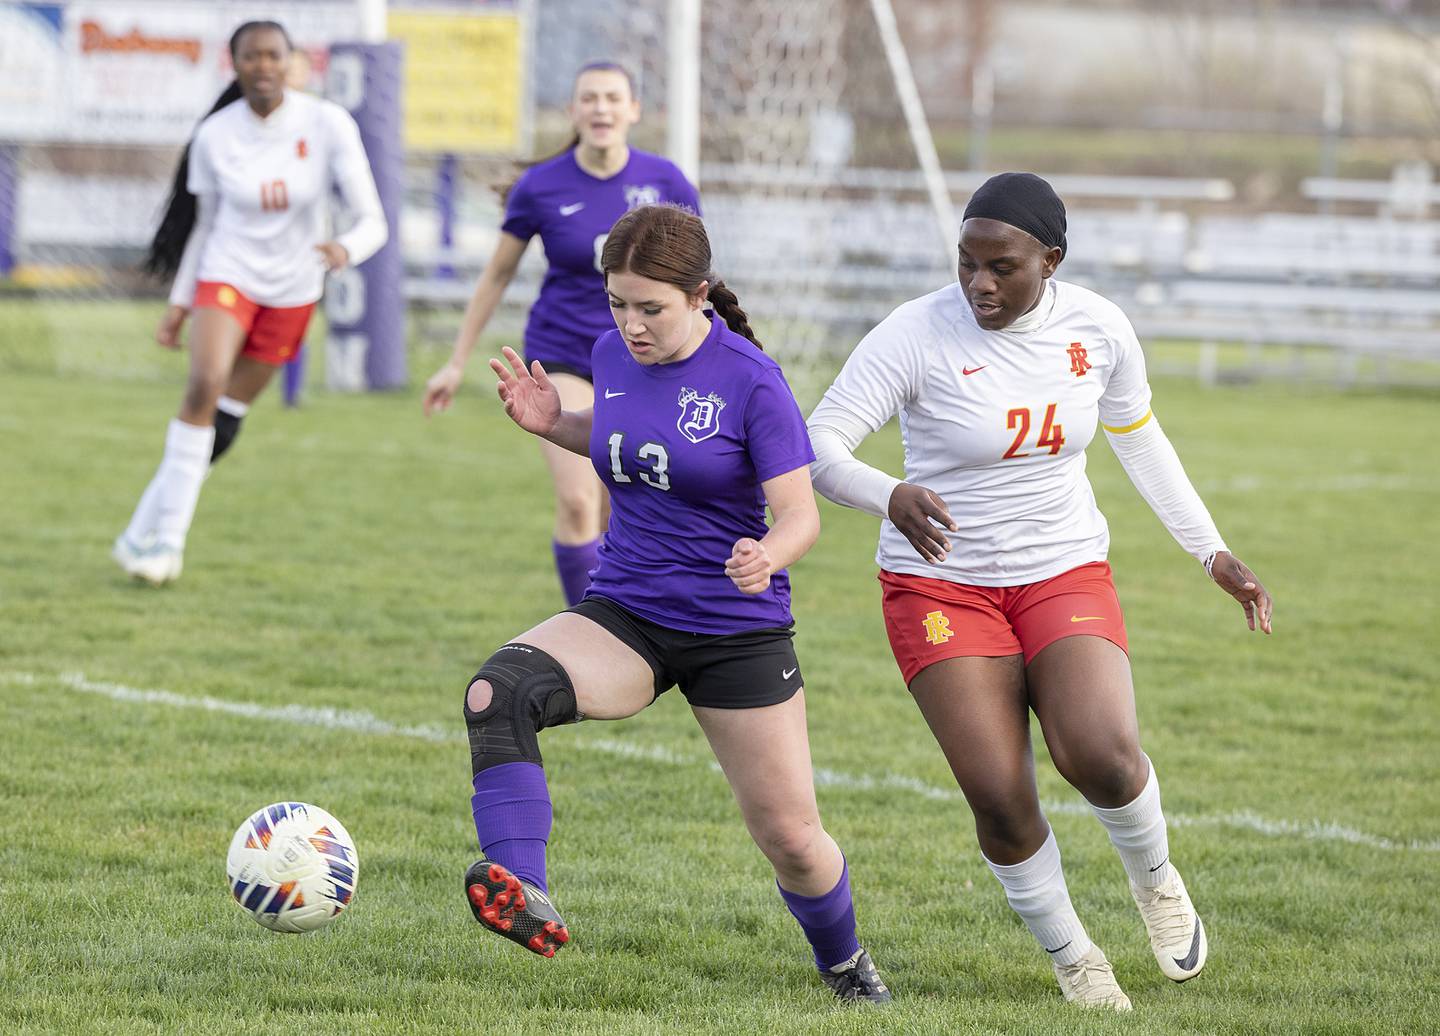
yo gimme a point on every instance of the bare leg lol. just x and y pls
(215, 341)
(248, 379)
(1080, 688)
(977, 710)
(765, 755)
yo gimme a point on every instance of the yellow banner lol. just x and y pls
(462, 80)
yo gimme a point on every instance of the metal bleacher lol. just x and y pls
(840, 251)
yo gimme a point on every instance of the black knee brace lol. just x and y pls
(529, 692)
(227, 426)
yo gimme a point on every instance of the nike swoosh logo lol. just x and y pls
(967, 371)
(1159, 865)
(612, 395)
(570, 210)
(1087, 618)
(1193, 956)
(1058, 948)
(787, 674)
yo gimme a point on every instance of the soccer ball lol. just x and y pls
(292, 867)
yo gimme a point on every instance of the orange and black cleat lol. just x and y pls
(514, 908)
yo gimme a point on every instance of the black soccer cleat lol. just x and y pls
(856, 980)
(514, 908)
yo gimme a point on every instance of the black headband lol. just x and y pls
(1023, 201)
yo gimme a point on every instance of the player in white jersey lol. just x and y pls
(245, 237)
(997, 596)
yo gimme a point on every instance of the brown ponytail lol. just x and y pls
(667, 243)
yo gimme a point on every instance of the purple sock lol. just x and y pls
(828, 921)
(512, 817)
(574, 563)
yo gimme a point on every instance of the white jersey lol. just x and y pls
(996, 423)
(263, 186)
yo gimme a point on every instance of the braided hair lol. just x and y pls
(168, 244)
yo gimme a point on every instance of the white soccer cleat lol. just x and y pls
(1176, 933)
(1090, 982)
(156, 565)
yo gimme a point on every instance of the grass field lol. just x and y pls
(351, 557)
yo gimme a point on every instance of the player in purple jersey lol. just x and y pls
(570, 201)
(693, 432)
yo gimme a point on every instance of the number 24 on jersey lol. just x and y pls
(1051, 434)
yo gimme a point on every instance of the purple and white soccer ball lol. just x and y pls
(292, 867)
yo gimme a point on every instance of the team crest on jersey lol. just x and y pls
(699, 415)
(1078, 362)
(637, 195)
(301, 151)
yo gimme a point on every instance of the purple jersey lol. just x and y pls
(683, 448)
(572, 212)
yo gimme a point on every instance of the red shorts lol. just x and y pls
(933, 619)
(272, 334)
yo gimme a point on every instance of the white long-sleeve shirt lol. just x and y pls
(996, 423)
(262, 187)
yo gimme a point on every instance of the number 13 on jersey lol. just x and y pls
(657, 477)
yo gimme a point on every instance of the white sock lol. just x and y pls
(141, 529)
(187, 456)
(233, 407)
(1036, 890)
(1137, 830)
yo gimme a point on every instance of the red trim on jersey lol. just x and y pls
(273, 334)
(929, 620)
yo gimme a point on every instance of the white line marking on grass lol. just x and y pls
(367, 723)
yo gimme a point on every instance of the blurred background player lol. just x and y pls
(997, 595)
(707, 433)
(244, 237)
(570, 201)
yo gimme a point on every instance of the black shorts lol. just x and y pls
(558, 367)
(714, 670)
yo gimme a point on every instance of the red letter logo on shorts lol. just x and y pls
(937, 628)
(1078, 364)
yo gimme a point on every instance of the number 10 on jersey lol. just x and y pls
(274, 197)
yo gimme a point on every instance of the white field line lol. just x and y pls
(362, 722)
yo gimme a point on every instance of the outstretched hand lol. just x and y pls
(749, 566)
(1236, 579)
(923, 518)
(530, 397)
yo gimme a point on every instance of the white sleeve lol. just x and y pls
(182, 289)
(1126, 399)
(351, 170)
(1152, 464)
(881, 376)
